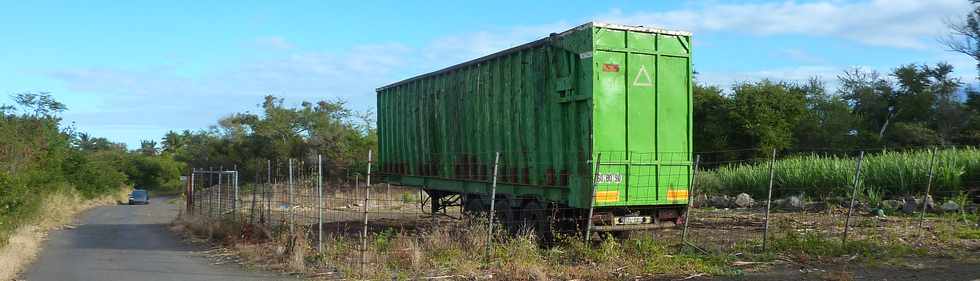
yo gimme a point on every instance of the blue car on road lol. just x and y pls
(139, 196)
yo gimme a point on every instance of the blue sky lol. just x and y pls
(132, 70)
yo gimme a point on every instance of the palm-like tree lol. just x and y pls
(172, 142)
(148, 147)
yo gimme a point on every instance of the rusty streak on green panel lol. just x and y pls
(550, 107)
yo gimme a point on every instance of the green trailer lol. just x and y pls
(596, 116)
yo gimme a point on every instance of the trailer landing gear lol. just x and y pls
(440, 202)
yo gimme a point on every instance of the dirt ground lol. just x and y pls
(936, 251)
(937, 269)
(941, 256)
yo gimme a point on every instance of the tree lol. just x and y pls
(279, 132)
(148, 147)
(970, 133)
(827, 121)
(172, 141)
(965, 35)
(765, 113)
(39, 105)
(913, 96)
(712, 123)
(871, 97)
(950, 115)
(913, 134)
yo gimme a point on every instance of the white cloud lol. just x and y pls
(307, 75)
(891, 23)
(157, 99)
(154, 100)
(789, 74)
(449, 50)
(800, 55)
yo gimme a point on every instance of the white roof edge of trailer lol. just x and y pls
(508, 50)
(640, 28)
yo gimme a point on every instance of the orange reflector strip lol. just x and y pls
(607, 196)
(677, 195)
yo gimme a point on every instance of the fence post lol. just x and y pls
(690, 196)
(595, 185)
(289, 198)
(221, 200)
(190, 193)
(234, 204)
(772, 176)
(255, 187)
(850, 207)
(210, 190)
(367, 183)
(367, 196)
(268, 187)
(932, 164)
(319, 202)
(493, 199)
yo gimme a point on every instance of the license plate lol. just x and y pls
(632, 220)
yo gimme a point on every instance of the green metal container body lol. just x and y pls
(551, 108)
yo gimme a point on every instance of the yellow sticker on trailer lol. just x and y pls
(607, 196)
(674, 195)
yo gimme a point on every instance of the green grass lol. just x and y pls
(884, 174)
(968, 233)
(815, 246)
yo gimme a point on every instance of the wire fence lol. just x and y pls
(682, 196)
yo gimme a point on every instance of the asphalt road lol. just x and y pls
(129, 243)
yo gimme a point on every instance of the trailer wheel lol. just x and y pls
(474, 207)
(537, 218)
(506, 215)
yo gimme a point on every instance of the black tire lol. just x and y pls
(473, 207)
(537, 218)
(506, 215)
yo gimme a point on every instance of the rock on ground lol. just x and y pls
(911, 205)
(892, 204)
(950, 206)
(743, 200)
(699, 201)
(720, 201)
(930, 204)
(792, 203)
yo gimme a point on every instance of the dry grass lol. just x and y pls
(254, 245)
(457, 250)
(57, 210)
(453, 252)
